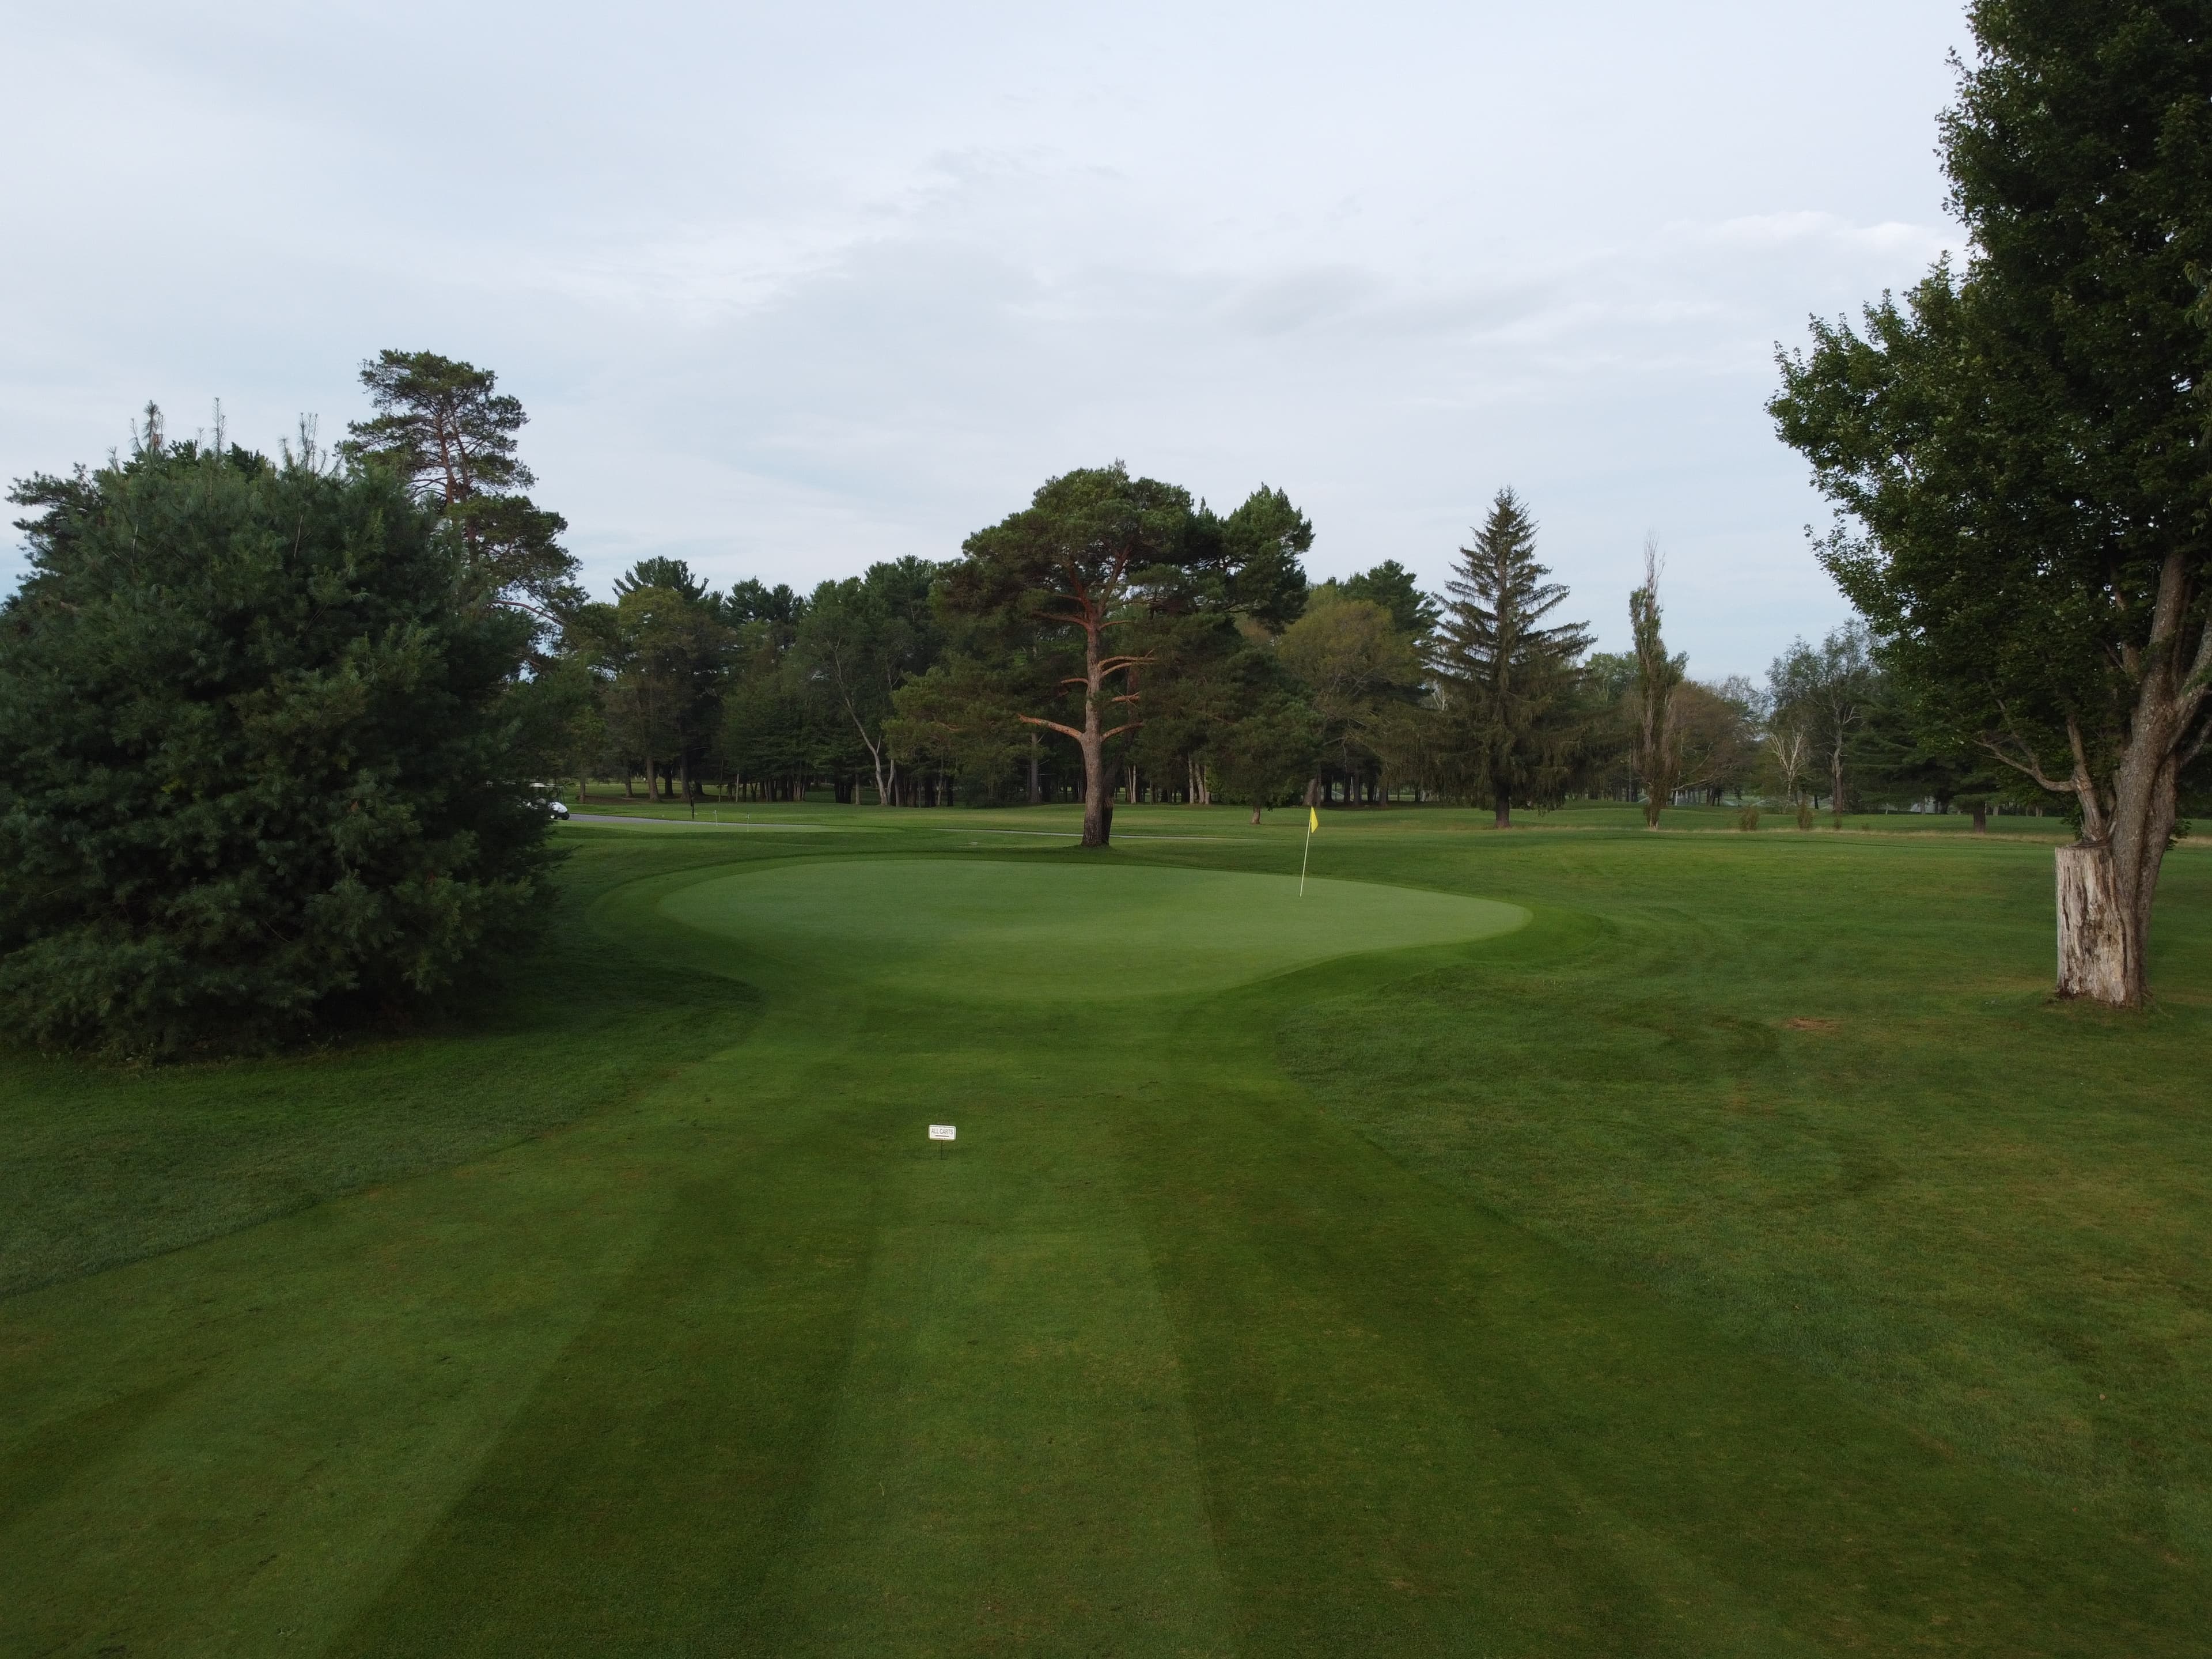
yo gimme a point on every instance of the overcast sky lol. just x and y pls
(789, 289)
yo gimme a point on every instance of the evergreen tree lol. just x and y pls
(672, 575)
(1391, 586)
(1263, 548)
(259, 765)
(1268, 759)
(440, 425)
(1069, 574)
(663, 652)
(1508, 682)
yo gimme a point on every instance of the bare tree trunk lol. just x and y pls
(1502, 804)
(876, 753)
(1098, 805)
(2106, 883)
(2093, 927)
(1034, 795)
(2107, 880)
(1981, 817)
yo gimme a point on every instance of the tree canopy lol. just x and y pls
(2018, 450)
(440, 425)
(1071, 570)
(259, 765)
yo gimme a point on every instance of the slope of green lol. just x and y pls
(1371, 1273)
(1111, 932)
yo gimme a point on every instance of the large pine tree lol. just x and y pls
(1508, 682)
(440, 426)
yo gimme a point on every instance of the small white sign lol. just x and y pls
(940, 1131)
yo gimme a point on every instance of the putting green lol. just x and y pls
(1024, 929)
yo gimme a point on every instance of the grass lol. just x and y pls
(1576, 1241)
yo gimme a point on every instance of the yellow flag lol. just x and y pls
(1313, 820)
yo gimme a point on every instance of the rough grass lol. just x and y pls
(1743, 1256)
(100, 1166)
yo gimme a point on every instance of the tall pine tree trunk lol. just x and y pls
(1097, 796)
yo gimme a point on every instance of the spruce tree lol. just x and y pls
(1508, 682)
(260, 765)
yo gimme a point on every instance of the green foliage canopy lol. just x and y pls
(440, 425)
(258, 764)
(2018, 451)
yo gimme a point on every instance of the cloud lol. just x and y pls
(788, 291)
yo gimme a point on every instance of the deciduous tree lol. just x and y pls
(1359, 673)
(1823, 693)
(1658, 719)
(865, 637)
(2018, 451)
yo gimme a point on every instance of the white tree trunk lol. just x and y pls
(2096, 925)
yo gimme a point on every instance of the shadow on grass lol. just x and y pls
(102, 1164)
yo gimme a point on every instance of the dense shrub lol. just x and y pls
(258, 769)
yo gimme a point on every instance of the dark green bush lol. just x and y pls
(258, 766)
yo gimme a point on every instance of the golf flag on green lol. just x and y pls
(1313, 823)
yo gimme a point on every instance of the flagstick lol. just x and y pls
(1302, 857)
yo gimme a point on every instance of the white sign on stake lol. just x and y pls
(940, 1131)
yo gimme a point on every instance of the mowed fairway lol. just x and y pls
(1572, 1242)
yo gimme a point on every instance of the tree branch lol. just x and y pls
(2182, 759)
(2031, 767)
